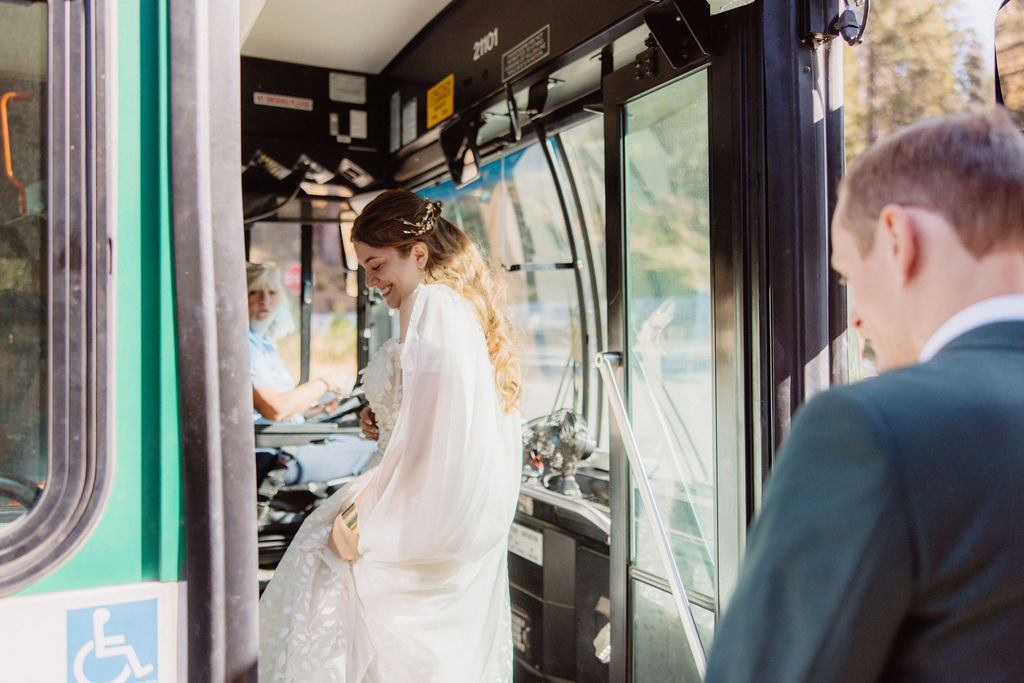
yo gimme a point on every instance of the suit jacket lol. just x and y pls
(890, 544)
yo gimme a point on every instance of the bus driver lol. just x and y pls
(275, 397)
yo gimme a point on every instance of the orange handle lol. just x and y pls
(4, 99)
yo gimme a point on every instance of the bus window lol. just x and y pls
(512, 212)
(333, 339)
(1009, 43)
(584, 153)
(56, 284)
(949, 72)
(584, 149)
(543, 287)
(279, 244)
(533, 230)
(23, 249)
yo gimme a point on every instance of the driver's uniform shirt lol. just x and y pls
(266, 369)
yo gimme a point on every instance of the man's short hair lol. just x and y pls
(968, 167)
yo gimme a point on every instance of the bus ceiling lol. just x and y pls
(351, 97)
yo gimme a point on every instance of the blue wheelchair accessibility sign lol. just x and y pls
(113, 643)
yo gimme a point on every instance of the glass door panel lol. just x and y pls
(659, 643)
(669, 359)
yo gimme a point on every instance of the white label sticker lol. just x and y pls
(395, 132)
(346, 88)
(409, 121)
(283, 101)
(526, 543)
(528, 52)
(357, 123)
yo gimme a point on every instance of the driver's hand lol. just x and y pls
(322, 409)
(368, 423)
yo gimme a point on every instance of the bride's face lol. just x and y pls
(394, 275)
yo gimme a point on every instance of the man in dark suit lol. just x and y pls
(890, 544)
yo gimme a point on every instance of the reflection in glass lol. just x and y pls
(23, 250)
(670, 327)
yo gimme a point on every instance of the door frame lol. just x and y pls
(738, 271)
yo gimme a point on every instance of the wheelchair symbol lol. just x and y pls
(103, 647)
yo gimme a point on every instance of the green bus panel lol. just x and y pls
(141, 534)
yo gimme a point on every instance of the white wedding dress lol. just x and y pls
(428, 598)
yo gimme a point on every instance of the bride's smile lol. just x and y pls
(393, 274)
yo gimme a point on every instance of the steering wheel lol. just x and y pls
(19, 491)
(353, 404)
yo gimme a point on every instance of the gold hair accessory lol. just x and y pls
(429, 221)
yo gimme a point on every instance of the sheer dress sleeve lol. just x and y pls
(448, 481)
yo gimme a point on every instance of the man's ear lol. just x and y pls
(899, 232)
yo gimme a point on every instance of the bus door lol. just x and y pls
(675, 356)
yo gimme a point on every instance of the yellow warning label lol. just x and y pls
(441, 101)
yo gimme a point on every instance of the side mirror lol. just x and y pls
(458, 142)
(1009, 43)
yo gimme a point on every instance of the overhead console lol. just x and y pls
(309, 131)
(468, 84)
(477, 74)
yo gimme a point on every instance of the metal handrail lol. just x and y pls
(618, 408)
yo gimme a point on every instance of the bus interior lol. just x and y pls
(521, 127)
(654, 179)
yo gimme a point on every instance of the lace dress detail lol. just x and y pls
(433, 520)
(382, 382)
(302, 615)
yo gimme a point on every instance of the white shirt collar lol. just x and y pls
(994, 310)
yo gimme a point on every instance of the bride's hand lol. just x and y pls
(343, 542)
(368, 423)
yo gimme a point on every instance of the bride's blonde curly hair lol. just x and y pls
(399, 219)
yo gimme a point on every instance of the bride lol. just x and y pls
(417, 589)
